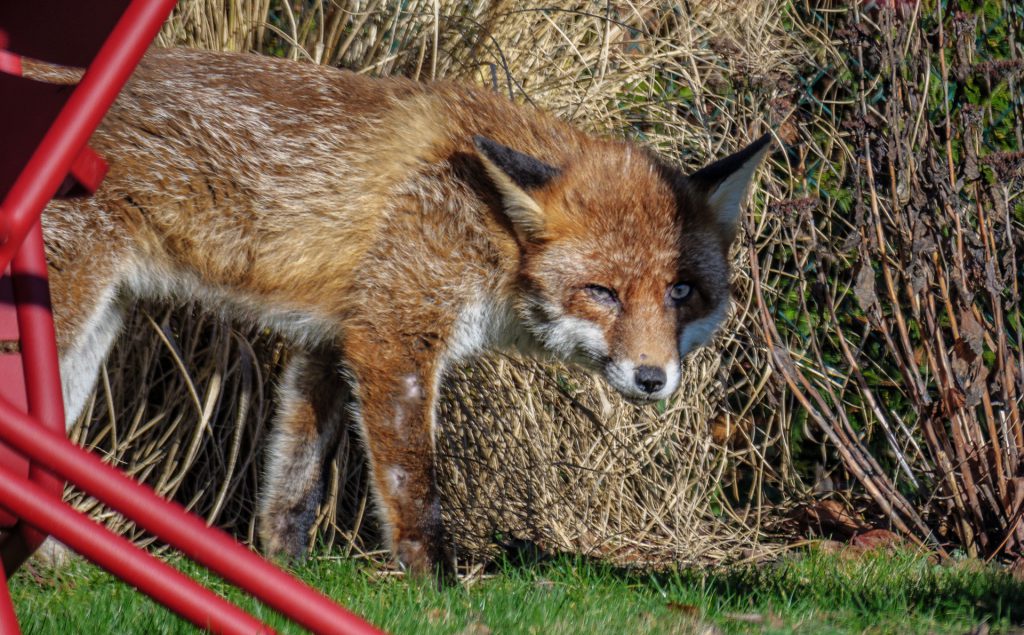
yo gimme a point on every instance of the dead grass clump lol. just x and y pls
(529, 452)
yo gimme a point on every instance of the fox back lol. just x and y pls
(388, 229)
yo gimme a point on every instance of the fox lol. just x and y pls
(388, 230)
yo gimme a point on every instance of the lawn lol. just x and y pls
(809, 592)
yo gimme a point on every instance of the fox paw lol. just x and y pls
(285, 537)
(423, 561)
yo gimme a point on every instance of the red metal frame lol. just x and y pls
(41, 368)
(8, 619)
(71, 130)
(39, 435)
(202, 607)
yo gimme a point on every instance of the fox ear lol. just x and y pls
(725, 184)
(516, 175)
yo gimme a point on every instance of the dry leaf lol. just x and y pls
(875, 539)
(864, 290)
(832, 517)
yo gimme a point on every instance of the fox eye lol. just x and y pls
(680, 293)
(604, 295)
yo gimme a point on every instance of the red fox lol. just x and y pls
(389, 229)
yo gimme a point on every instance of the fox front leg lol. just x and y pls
(396, 390)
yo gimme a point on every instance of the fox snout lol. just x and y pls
(650, 378)
(643, 381)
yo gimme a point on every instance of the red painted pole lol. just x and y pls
(52, 160)
(210, 547)
(8, 618)
(38, 337)
(163, 583)
(41, 366)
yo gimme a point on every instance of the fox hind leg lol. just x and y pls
(82, 356)
(311, 408)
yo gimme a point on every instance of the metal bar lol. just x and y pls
(12, 388)
(8, 618)
(168, 586)
(52, 160)
(210, 547)
(41, 367)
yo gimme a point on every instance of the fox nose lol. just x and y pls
(650, 378)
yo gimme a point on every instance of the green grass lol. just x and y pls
(809, 592)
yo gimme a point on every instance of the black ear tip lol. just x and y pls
(762, 141)
(525, 171)
(485, 145)
(718, 171)
(754, 148)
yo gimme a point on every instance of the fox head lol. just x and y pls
(624, 263)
